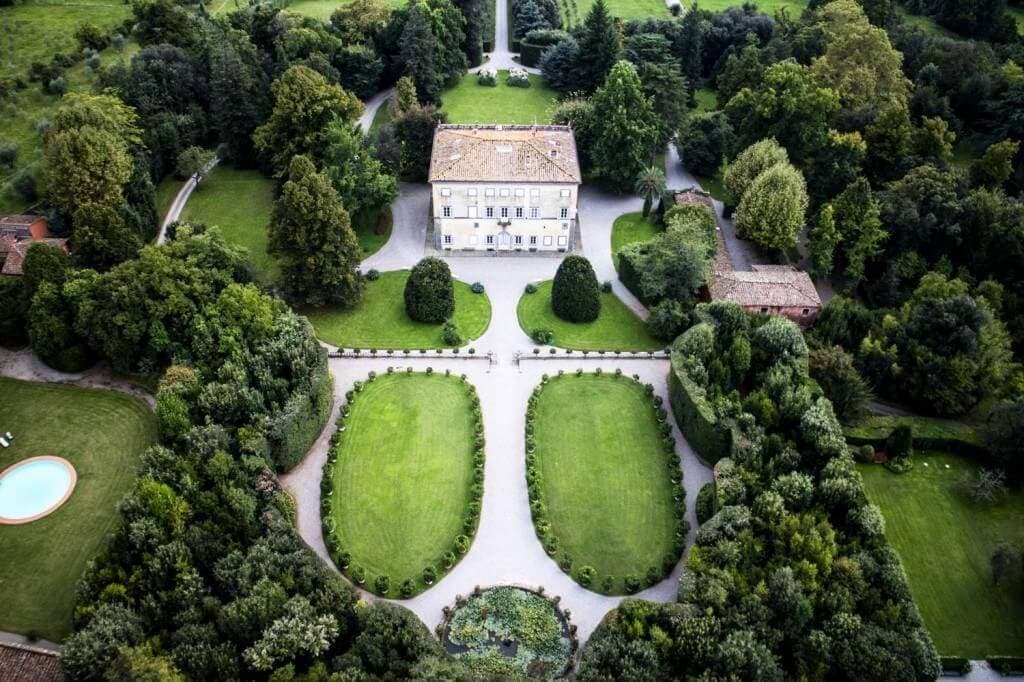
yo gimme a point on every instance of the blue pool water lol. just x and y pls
(32, 488)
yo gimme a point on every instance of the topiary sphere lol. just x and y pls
(429, 296)
(575, 296)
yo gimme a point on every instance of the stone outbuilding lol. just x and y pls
(17, 234)
(769, 290)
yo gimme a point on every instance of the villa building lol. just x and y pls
(504, 188)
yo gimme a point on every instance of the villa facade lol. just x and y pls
(504, 188)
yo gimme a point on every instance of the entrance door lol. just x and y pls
(504, 240)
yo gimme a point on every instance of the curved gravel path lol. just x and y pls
(25, 365)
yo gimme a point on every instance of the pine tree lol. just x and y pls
(310, 233)
(599, 48)
(418, 54)
(692, 48)
(627, 128)
(243, 98)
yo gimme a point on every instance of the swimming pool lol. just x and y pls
(34, 487)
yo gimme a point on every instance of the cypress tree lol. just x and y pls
(575, 296)
(418, 55)
(599, 47)
(311, 234)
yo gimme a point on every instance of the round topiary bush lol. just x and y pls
(429, 294)
(477, 288)
(575, 296)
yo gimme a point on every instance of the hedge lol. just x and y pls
(302, 420)
(1006, 665)
(630, 277)
(955, 665)
(534, 44)
(929, 434)
(696, 418)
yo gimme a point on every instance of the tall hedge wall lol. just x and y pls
(302, 420)
(696, 418)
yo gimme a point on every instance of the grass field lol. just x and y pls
(239, 202)
(944, 541)
(628, 9)
(102, 434)
(630, 228)
(604, 479)
(35, 30)
(380, 320)
(403, 476)
(365, 227)
(707, 100)
(470, 102)
(616, 328)
(322, 9)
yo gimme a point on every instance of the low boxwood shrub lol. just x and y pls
(429, 575)
(585, 575)
(957, 665)
(372, 274)
(531, 288)
(382, 585)
(357, 574)
(632, 583)
(1004, 665)
(476, 288)
(407, 588)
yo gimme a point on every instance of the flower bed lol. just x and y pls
(510, 631)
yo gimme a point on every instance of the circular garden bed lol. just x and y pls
(604, 481)
(403, 482)
(509, 632)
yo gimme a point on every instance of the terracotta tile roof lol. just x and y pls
(464, 153)
(21, 227)
(15, 257)
(19, 663)
(691, 196)
(766, 286)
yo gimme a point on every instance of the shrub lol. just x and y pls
(429, 294)
(574, 294)
(517, 78)
(372, 274)
(462, 544)
(357, 574)
(900, 442)
(531, 288)
(8, 154)
(608, 583)
(24, 183)
(382, 584)
(705, 503)
(450, 334)
(477, 288)
(91, 36)
(58, 86)
(606, 286)
(864, 454)
(487, 77)
(407, 588)
(429, 575)
(632, 583)
(543, 336)
(585, 575)
(667, 320)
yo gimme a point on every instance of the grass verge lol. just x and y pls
(470, 102)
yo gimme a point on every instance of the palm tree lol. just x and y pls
(650, 183)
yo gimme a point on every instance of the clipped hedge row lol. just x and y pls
(1007, 665)
(585, 575)
(460, 544)
(629, 275)
(955, 665)
(929, 434)
(302, 420)
(696, 418)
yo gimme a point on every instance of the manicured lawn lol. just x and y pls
(616, 328)
(604, 477)
(630, 228)
(470, 102)
(768, 7)
(380, 320)
(322, 9)
(365, 226)
(881, 425)
(239, 202)
(945, 541)
(403, 475)
(103, 435)
(628, 9)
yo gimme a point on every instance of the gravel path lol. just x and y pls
(178, 205)
(23, 364)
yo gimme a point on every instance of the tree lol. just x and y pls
(418, 47)
(628, 130)
(788, 105)
(360, 21)
(1004, 435)
(666, 90)
(243, 98)
(575, 296)
(304, 104)
(888, 139)
(559, 65)
(599, 43)
(650, 184)
(743, 69)
(163, 21)
(860, 232)
(667, 320)
(824, 238)
(772, 210)
(429, 293)
(51, 329)
(87, 149)
(359, 178)
(673, 265)
(859, 63)
(415, 133)
(750, 163)
(473, 14)
(995, 166)
(195, 162)
(690, 48)
(405, 100)
(833, 369)
(933, 141)
(1005, 562)
(986, 486)
(311, 234)
(101, 238)
(703, 141)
